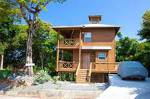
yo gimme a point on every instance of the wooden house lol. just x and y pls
(91, 50)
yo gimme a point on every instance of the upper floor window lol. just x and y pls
(102, 56)
(87, 37)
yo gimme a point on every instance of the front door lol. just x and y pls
(85, 60)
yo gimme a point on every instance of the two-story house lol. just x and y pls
(91, 49)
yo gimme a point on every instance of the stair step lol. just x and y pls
(82, 76)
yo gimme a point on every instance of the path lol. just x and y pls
(122, 89)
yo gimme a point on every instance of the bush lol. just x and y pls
(67, 76)
(42, 77)
(4, 74)
(55, 79)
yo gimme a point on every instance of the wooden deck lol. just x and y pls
(85, 75)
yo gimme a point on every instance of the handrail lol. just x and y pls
(69, 42)
(67, 64)
(90, 71)
(77, 69)
(107, 65)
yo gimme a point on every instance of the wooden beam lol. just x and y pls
(80, 47)
(57, 61)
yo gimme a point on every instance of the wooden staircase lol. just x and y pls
(82, 76)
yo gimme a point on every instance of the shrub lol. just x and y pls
(4, 74)
(55, 79)
(42, 77)
(67, 76)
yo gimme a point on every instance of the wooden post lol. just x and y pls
(57, 61)
(80, 48)
(2, 62)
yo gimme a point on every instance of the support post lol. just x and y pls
(57, 61)
(80, 35)
(2, 62)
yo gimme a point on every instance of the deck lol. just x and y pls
(103, 67)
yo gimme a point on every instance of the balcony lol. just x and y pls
(67, 66)
(104, 67)
(69, 43)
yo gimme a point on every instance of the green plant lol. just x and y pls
(4, 74)
(55, 79)
(67, 77)
(42, 77)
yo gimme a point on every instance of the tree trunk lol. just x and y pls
(2, 62)
(29, 61)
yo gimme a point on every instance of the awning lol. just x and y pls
(97, 47)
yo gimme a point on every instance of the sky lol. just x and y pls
(125, 13)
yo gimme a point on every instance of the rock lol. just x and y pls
(20, 81)
(1, 92)
(11, 93)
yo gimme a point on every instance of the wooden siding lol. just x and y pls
(73, 41)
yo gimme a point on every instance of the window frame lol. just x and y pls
(103, 57)
(88, 37)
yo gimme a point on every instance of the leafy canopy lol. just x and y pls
(145, 31)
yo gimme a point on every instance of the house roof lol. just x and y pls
(87, 26)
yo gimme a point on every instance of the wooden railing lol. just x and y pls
(67, 66)
(90, 71)
(69, 43)
(106, 67)
(78, 68)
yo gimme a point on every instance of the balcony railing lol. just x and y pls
(67, 66)
(69, 43)
(105, 67)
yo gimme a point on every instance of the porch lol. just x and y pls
(101, 67)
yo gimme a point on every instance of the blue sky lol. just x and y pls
(126, 13)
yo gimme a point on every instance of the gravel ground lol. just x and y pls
(4, 86)
(62, 89)
(60, 85)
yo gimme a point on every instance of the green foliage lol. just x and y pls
(55, 79)
(67, 76)
(143, 54)
(131, 49)
(42, 77)
(3, 46)
(67, 56)
(8, 10)
(44, 50)
(4, 74)
(145, 31)
(126, 49)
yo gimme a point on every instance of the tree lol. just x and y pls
(7, 18)
(145, 31)
(44, 46)
(143, 54)
(126, 49)
(144, 48)
(30, 10)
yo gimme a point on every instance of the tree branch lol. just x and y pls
(24, 14)
(25, 6)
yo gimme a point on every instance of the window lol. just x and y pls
(102, 56)
(87, 37)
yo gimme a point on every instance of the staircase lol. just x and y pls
(82, 76)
